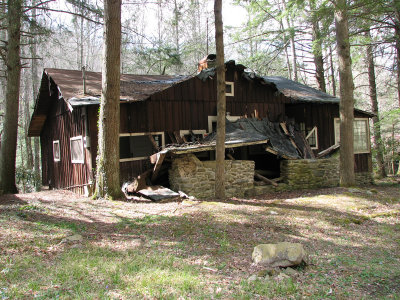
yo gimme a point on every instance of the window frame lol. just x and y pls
(212, 119)
(77, 161)
(182, 133)
(59, 151)
(314, 129)
(232, 85)
(142, 134)
(337, 136)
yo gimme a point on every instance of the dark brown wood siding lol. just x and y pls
(61, 125)
(322, 116)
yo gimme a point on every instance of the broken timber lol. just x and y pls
(265, 179)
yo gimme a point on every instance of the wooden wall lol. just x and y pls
(61, 125)
(185, 106)
(322, 116)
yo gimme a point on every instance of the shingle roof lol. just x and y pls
(133, 87)
(299, 92)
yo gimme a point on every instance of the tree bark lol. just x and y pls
(34, 77)
(317, 49)
(332, 72)
(221, 104)
(107, 178)
(346, 106)
(9, 137)
(397, 45)
(374, 103)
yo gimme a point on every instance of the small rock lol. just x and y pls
(73, 239)
(252, 278)
(291, 272)
(279, 255)
(272, 212)
(351, 190)
(281, 276)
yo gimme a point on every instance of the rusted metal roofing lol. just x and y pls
(133, 87)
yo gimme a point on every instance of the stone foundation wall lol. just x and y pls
(197, 178)
(364, 178)
(310, 173)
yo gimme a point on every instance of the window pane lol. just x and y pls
(76, 150)
(360, 136)
(56, 150)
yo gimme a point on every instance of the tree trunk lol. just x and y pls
(221, 104)
(9, 137)
(107, 179)
(397, 45)
(374, 103)
(346, 106)
(26, 115)
(332, 72)
(317, 49)
(34, 77)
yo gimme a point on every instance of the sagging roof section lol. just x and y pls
(283, 139)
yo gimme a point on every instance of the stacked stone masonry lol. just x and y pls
(197, 178)
(310, 173)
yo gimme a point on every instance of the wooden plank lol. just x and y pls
(178, 137)
(153, 142)
(157, 165)
(265, 179)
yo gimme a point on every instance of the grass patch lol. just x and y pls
(266, 288)
(94, 272)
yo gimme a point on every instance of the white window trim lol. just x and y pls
(77, 161)
(335, 127)
(232, 84)
(59, 150)
(196, 131)
(139, 134)
(316, 137)
(212, 119)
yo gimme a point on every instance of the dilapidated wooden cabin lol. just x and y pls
(159, 110)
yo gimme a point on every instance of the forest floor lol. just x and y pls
(55, 244)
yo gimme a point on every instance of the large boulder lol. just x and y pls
(279, 255)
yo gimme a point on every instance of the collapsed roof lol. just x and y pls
(282, 139)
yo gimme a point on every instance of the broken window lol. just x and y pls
(139, 145)
(77, 153)
(229, 88)
(312, 138)
(56, 150)
(361, 134)
(192, 135)
(212, 121)
(311, 135)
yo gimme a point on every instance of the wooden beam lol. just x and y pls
(157, 166)
(153, 142)
(265, 179)
(178, 137)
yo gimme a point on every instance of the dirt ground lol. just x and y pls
(352, 237)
